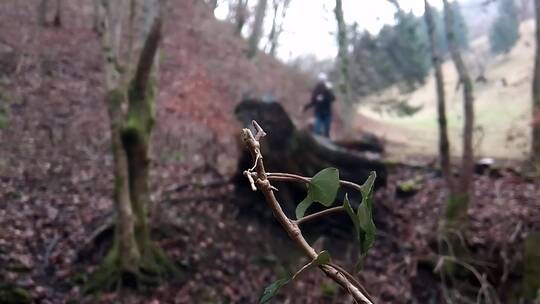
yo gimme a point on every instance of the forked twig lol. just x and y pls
(259, 179)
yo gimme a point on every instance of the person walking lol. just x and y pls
(322, 98)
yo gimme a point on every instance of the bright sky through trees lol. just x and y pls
(310, 25)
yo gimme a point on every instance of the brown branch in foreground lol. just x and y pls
(313, 216)
(260, 179)
(287, 177)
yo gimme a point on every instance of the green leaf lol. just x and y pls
(322, 188)
(353, 216)
(271, 290)
(365, 215)
(367, 189)
(322, 258)
(364, 227)
(303, 206)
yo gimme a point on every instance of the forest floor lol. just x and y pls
(56, 181)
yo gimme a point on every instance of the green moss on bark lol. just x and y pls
(531, 276)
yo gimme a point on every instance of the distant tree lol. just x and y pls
(535, 150)
(400, 53)
(504, 32)
(343, 54)
(371, 69)
(461, 33)
(460, 29)
(279, 8)
(405, 44)
(456, 211)
(444, 143)
(410, 49)
(239, 13)
(257, 28)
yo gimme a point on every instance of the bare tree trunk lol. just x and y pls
(444, 143)
(535, 150)
(457, 206)
(42, 12)
(257, 30)
(273, 38)
(57, 21)
(343, 54)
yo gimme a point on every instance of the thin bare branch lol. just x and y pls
(291, 227)
(317, 215)
(287, 177)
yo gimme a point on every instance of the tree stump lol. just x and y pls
(287, 149)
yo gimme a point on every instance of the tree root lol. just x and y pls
(152, 268)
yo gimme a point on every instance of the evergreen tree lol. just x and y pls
(504, 32)
(408, 49)
(400, 52)
(459, 28)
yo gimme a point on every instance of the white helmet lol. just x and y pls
(322, 77)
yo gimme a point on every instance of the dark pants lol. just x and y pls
(322, 125)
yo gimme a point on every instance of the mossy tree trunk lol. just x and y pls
(535, 147)
(133, 259)
(456, 214)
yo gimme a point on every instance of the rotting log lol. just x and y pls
(290, 150)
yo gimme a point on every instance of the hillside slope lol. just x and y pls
(502, 105)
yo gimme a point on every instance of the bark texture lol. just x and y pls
(133, 259)
(444, 143)
(458, 204)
